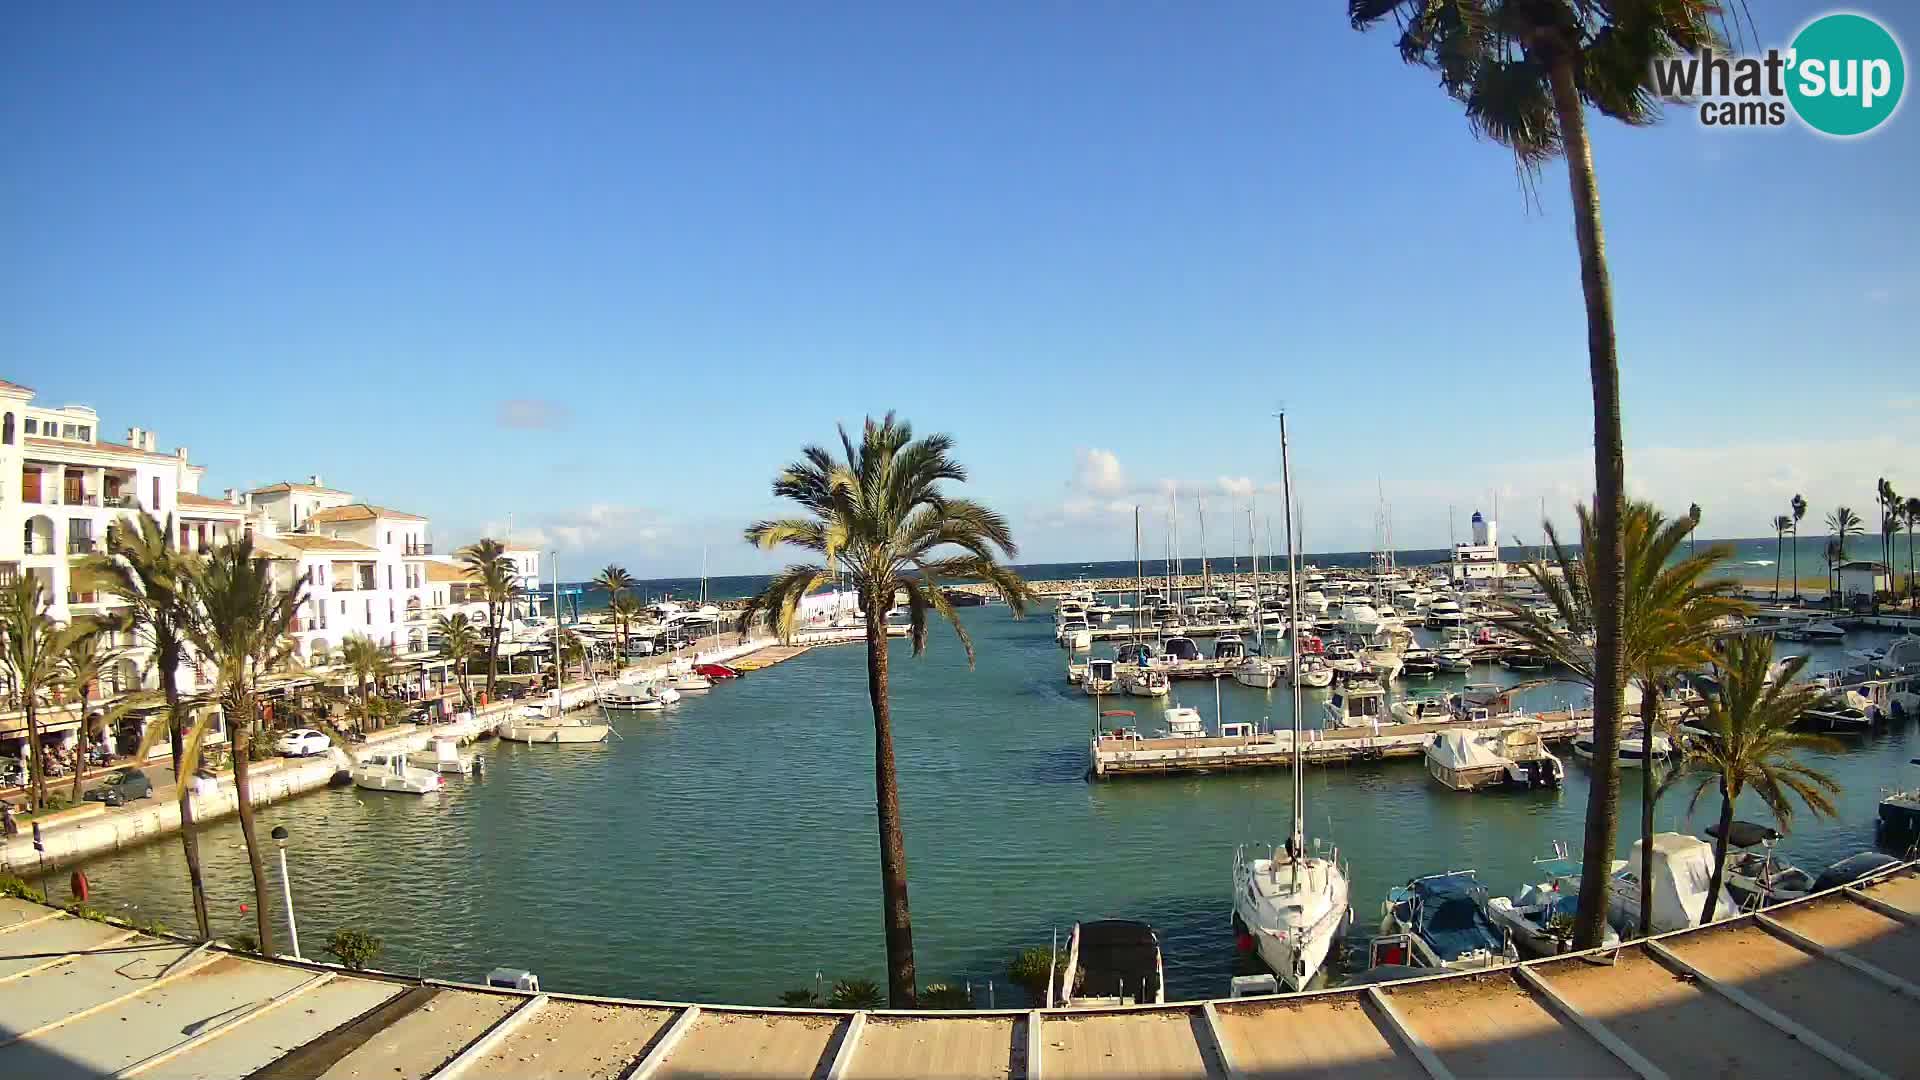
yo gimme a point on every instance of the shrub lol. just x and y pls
(856, 994)
(19, 889)
(945, 996)
(1030, 970)
(800, 999)
(244, 943)
(355, 949)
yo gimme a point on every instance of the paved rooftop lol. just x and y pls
(1825, 986)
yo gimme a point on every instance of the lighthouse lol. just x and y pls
(1486, 532)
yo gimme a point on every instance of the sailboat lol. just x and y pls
(1258, 670)
(1292, 905)
(551, 724)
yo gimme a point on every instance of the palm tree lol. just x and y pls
(457, 641)
(1526, 71)
(625, 611)
(1798, 504)
(30, 650)
(1751, 745)
(88, 653)
(1913, 521)
(1781, 523)
(153, 581)
(616, 581)
(1889, 501)
(486, 559)
(240, 625)
(1668, 624)
(1693, 517)
(1842, 523)
(880, 517)
(367, 662)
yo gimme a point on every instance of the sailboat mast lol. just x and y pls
(1297, 841)
(1139, 576)
(558, 677)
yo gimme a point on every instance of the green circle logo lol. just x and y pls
(1847, 74)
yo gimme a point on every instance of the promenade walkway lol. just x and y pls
(1828, 986)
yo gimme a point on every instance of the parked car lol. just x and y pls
(303, 742)
(121, 786)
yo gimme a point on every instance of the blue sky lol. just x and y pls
(606, 268)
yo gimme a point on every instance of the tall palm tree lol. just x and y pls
(880, 517)
(486, 559)
(617, 582)
(153, 582)
(1913, 521)
(30, 649)
(1842, 523)
(240, 626)
(1750, 743)
(1668, 624)
(1693, 517)
(1781, 523)
(1526, 71)
(457, 641)
(1798, 504)
(1889, 501)
(626, 611)
(87, 653)
(367, 662)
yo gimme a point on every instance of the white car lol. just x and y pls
(304, 742)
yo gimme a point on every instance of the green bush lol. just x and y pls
(19, 889)
(800, 999)
(355, 949)
(83, 911)
(1030, 970)
(944, 996)
(856, 994)
(244, 943)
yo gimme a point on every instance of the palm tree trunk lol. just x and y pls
(241, 728)
(80, 754)
(493, 649)
(1777, 538)
(1649, 718)
(1609, 473)
(902, 983)
(1719, 856)
(37, 762)
(183, 788)
(1796, 561)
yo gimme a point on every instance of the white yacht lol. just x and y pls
(638, 697)
(1100, 679)
(1315, 601)
(1633, 748)
(1357, 703)
(1469, 759)
(1314, 672)
(1183, 722)
(389, 770)
(534, 724)
(1259, 672)
(444, 756)
(1539, 918)
(1291, 904)
(1682, 869)
(1144, 681)
(1423, 707)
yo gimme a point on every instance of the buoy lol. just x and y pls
(1243, 942)
(78, 883)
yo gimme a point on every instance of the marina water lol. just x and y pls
(725, 850)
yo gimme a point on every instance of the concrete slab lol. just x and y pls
(1160, 1045)
(81, 983)
(14, 912)
(575, 1040)
(421, 1041)
(1888, 944)
(163, 1017)
(1839, 1005)
(1323, 1037)
(948, 1048)
(1491, 1026)
(242, 1049)
(1684, 1029)
(36, 945)
(1901, 891)
(754, 1045)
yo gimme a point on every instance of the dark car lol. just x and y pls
(1852, 869)
(120, 787)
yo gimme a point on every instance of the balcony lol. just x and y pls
(78, 598)
(78, 498)
(120, 502)
(343, 586)
(418, 549)
(81, 545)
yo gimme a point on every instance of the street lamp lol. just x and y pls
(286, 887)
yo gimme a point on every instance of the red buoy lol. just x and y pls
(78, 883)
(1243, 941)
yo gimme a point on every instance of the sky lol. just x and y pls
(597, 272)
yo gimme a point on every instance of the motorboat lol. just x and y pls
(1483, 701)
(1141, 653)
(1523, 659)
(1539, 918)
(1682, 876)
(1183, 722)
(1315, 601)
(1633, 749)
(1290, 907)
(444, 756)
(1342, 658)
(716, 671)
(638, 697)
(1899, 820)
(1178, 649)
(1229, 647)
(1099, 679)
(1360, 619)
(1443, 613)
(1383, 662)
(1453, 661)
(1075, 634)
(1144, 681)
(1111, 962)
(1423, 707)
(1356, 702)
(1472, 759)
(1445, 919)
(691, 682)
(1259, 672)
(1315, 673)
(1419, 664)
(389, 770)
(1823, 631)
(1753, 877)
(533, 724)
(1837, 716)
(1076, 671)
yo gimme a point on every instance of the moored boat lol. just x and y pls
(532, 724)
(1445, 919)
(1111, 962)
(1471, 759)
(389, 770)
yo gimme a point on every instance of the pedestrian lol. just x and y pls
(10, 828)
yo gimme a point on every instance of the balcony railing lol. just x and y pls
(81, 545)
(343, 586)
(419, 549)
(121, 502)
(77, 498)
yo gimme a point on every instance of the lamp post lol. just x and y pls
(286, 888)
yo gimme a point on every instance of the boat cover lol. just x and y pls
(1443, 911)
(1117, 954)
(1461, 750)
(1682, 873)
(1744, 834)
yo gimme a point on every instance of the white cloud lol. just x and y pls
(599, 527)
(1879, 296)
(1237, 486)
(1098, 472)
(533, 414)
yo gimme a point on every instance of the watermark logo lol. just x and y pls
(1842, 76)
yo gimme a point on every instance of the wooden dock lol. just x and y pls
(769, 656)
(1115, 756)
(1825, 986)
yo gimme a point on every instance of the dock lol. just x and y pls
(1824, 986)
(1129, 755)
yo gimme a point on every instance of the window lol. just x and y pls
(6, 430)
(68, 431)
(389, 531)
(389, 569)
(86, 433)
(156, 495)
(33, 426)
(389, 609)
(369, 611)
(343, 608)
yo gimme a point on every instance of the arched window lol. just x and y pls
(6, 430)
